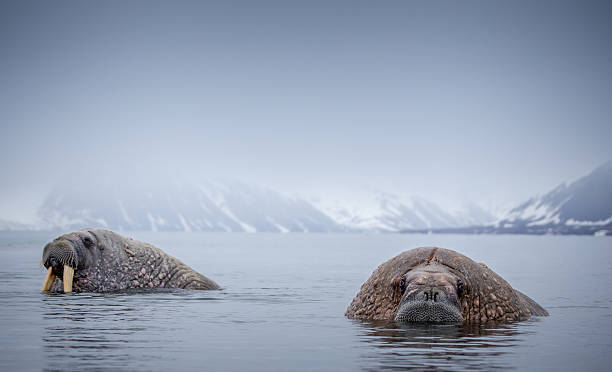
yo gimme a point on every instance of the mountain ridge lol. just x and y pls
(581, 207)
(386, 212)
(208, 206)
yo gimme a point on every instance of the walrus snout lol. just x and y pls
(429, 304)
(60, 259)
(428, 311)
(430, 293)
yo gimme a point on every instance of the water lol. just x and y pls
(282, 306)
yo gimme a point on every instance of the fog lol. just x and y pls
(488, 102)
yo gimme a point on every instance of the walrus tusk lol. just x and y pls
(49, 278)
(68, 274)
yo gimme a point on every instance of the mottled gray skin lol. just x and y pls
(431, 284)
(106, 261)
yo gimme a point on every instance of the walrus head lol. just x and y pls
(67, 254)
(429, 293)
(431, 284)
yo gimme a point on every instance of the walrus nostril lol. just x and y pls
(430, 295)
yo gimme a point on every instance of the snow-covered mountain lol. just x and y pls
(239, 207)
(209, 206)
(381, 211)
(580, 207)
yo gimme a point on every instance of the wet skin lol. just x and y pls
(97, 260)
(431, 284)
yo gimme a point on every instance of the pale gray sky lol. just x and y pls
(454, 101)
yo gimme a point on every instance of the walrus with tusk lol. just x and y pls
(431, 284)
(98, 260)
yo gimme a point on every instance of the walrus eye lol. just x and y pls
(460, 288)
(88, 242)
(402, 284)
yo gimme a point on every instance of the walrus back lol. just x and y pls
(530, 304)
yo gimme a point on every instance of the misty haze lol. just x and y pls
(285, 150)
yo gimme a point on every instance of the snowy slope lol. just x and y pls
(209, 206)
(235, 207)
(583, 206)
(381, 211)
(580, 207)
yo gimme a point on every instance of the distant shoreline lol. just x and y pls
(519, 230)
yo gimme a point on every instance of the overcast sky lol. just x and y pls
(453, 101)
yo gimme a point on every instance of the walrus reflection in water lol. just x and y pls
(98, 260)
(439, 285)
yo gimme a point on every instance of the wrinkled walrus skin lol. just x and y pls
(475, 292)
(98, 260)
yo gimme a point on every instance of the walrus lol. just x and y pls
(430, 284)
(98, 260)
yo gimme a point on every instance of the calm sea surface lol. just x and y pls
(282, 306)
